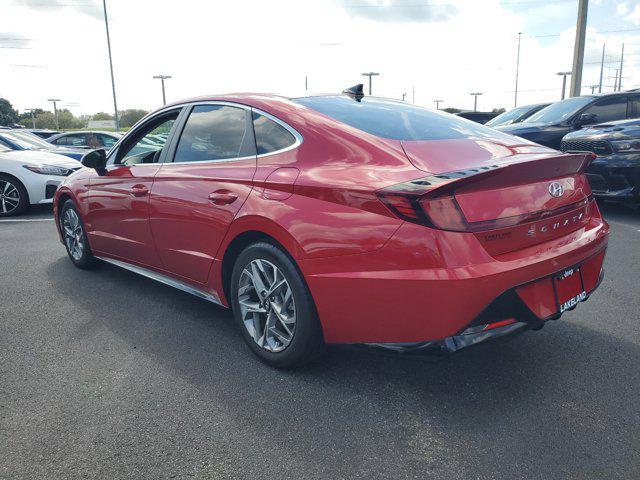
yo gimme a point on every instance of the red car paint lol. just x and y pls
(374, 276)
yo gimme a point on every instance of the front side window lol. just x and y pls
(212, 132)
(138, 150)
(270, 136)
(609, 109)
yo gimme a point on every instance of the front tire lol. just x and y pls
(75, 237)
(14, 198)
(274, 308)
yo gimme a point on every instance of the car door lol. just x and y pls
(199, 190)
(117, 220)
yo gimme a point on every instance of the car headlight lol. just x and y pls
(48, 170)
(626, 146)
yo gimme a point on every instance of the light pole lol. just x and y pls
(438, 102)
(162, 78)
(370, 74)
(113, 82)
(564, 82)
(578, 49)
(515, 100)
(475, 100)
(55, 110)
(33, 118)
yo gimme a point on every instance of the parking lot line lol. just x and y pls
(27, 220)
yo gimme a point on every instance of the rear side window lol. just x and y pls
(212, 132)
(72, 140)
(609, 109)
(270, 136)
(396, 120)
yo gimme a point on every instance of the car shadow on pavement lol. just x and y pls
(532, 399)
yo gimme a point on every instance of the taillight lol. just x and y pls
(430, 201)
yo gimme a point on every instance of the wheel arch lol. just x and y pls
(20, 181)
(243, 232)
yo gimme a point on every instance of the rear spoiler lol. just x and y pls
(535, 169)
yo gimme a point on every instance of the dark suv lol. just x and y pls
(615, 172)
(550, 124)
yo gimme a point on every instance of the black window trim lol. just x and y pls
(298, 138)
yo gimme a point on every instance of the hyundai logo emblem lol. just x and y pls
(555, 189)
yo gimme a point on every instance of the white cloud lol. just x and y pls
(243, 45)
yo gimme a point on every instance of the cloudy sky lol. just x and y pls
(445, 48)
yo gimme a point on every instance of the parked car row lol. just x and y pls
(605, 124)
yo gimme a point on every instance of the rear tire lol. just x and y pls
(274, 308)
(14, 198)
(75, 237)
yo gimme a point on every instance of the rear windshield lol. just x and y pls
(395, 119)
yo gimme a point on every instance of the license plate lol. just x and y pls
(569, 288)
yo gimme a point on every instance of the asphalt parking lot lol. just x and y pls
(105, 374)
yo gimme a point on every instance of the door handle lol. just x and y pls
(222, 197)
(138, 190)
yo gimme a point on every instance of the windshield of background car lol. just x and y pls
(560, 111)
(31, 138)
(507, 118)
(23, 144)
(396, 120)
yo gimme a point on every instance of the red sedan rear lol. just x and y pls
(341, 219)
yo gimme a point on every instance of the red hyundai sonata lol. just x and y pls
(341, 219)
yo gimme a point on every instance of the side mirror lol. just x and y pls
(587, 119)
(96, 159)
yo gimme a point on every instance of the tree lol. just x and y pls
(498, 110)
(68, 121)
(451, 110)
(102, 116)
(129, 117)
(8, 116)
(26, 118)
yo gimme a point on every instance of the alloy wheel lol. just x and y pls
(9, 197)
(267, 306)
(73, 235)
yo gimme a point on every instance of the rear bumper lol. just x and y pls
(394, 295)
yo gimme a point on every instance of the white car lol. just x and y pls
(30, 177)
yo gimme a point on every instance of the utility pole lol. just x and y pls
(113, 82)
(601, 69)
(515, 100)
(33, 118)
(564, 82)
(162, 78)
(621, 62)
(370, 74)
(615, 81)
(578, 49)
(475, 100)
(437, 102)
(55, 110)
(306, 84)
(413, 94)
